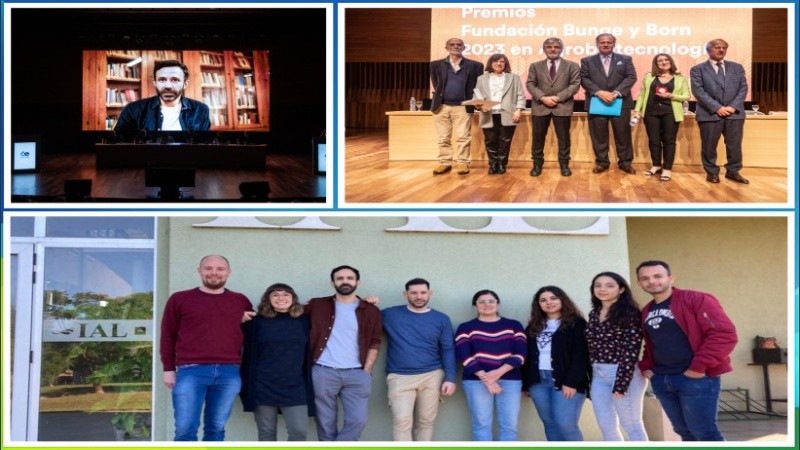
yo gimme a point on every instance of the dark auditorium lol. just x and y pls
(179, 105)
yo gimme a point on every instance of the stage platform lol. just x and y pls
(212, 156)
(412, 137)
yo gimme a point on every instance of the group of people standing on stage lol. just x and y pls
(718, 85)
(301, 360)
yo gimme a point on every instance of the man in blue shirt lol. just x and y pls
(420, 362)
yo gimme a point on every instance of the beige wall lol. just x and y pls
(457, 265)
(740, 260)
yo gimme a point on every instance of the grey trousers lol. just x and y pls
(353, 387)
(296, 418)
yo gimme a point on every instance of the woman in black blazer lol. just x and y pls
(556, 373)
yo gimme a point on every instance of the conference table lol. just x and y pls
(412, 136)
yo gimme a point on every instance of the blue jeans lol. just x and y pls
(612, 412)
(559, 415)
(690, 404)
(216, 385)
(482, 405)
(353, 387)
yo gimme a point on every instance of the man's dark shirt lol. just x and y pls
(146, 115)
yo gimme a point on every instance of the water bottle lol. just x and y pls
(685, 107)
(412, 104)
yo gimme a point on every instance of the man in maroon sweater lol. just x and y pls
(201, 343)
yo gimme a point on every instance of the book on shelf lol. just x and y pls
(244, 81)
(245, 99)
(241, 61)
(122, 70)
(111, 121)
(214, 79)
(248, 118)
(218, 119)
(120, 97)
(166, 55)
(124, 53)
(214, 99)
(211, 59)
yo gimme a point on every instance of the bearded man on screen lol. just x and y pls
(170, 110)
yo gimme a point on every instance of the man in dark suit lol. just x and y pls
(609, 76)
(552, 83)
(453, 80)
(720, 88)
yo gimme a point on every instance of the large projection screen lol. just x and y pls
(681, 30)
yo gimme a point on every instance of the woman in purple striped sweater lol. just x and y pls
(492, 349)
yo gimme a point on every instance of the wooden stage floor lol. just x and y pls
(290, 177)
(371, 178)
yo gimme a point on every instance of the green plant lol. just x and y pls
(132, 424)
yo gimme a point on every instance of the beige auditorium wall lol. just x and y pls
(740, 260)
(457, 265)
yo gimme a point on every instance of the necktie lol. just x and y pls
(552, 70)
(720, 69)
(606, 63)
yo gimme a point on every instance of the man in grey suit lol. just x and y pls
(552, 83)
(720, 88)
(608, 76)
(453, 80)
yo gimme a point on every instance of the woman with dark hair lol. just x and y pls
(614, 335)
(275, 370)
(499, 121)
(556, 373)
(492, 350)
(660, 102)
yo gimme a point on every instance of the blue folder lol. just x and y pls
(597, 107)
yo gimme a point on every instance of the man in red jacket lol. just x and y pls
(201, 344)
(688, 341)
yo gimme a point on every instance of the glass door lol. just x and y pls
(96, 334)
(19, 337)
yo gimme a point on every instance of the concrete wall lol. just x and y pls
(741, 260)
(457, 265)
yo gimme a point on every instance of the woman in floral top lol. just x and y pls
(614, 335)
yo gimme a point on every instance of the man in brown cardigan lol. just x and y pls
(345, 339)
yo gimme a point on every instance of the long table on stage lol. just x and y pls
(218, 156)
(412, 136)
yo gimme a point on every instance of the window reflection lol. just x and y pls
(21, 226)
(101, 227)
(97, 350)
